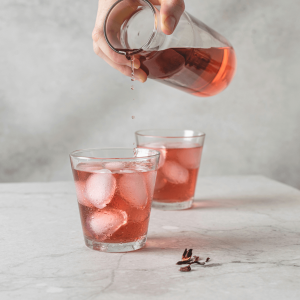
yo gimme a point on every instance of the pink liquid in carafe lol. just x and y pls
(198, 71)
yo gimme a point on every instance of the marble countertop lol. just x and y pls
(249, 226)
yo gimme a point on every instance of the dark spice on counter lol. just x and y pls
(188, 260)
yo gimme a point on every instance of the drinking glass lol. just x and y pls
(114, 188)
(180, 155)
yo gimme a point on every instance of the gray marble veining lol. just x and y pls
(249, 226)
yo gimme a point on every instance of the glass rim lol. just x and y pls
(72, 154)
(143, 46)
(143, 133)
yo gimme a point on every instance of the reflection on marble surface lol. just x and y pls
(249, 227)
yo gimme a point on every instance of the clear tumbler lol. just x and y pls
(180, 155)
(114, 190)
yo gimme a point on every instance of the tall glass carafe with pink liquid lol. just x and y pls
(195, 58)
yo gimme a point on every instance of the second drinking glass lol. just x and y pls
(180, 155)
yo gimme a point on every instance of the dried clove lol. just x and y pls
(185, 262)
(186, 257)
(188, 260)
(187, 254)
(185, 269)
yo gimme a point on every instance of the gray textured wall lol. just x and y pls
(57, 96)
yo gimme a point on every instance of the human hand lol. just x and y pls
(170, 13)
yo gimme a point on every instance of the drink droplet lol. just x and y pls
(132, 71)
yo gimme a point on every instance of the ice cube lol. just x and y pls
(89, 167)
(163, 152)
(162, 158)
(164, 64)
(175, 173)
(127, 171)
(133, 189)
(102, 171)
(150, 178)
(79, 186)
(105, 222)
(190, 158)
(100, 188)
(114, 165)
(141, 169)
(160, 181)
(174, 145)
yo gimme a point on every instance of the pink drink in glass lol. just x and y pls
(114, 201)
(180, 156)
(177, 173)
(126, 209)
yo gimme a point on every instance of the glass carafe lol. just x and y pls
(195, 58)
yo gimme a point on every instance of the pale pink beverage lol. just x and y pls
(177, 169)
(114, 201)
(177, 172)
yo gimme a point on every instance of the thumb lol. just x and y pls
(171, 11)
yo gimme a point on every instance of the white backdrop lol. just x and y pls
(56, 95)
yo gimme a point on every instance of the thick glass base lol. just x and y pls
(116, 247)
(172, 206)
